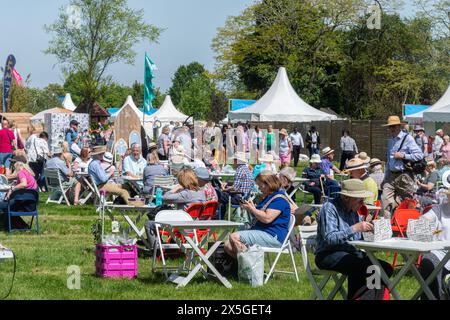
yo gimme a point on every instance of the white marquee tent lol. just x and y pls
(168, 112)
(280, 103)
(438, 112)
(68, 103)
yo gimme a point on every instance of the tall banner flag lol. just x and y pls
(7, 80)
(149, 94)
(17, 77)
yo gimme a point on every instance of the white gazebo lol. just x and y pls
(68, 103)
(168, 112)
(280, 103)
(433, 113)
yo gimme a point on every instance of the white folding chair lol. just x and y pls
(307, 236)
(168, 215)
(4, 179)
(286, 248)
(161, 182)
(56, 186)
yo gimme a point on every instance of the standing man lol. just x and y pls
(437, 144)
(399, 182)
(297, 144)
(72, 133)
(313, 141)
(348, 148)
(421, 139)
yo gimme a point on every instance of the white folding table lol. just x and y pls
(185, 228)
(84, 179)
(410, 250)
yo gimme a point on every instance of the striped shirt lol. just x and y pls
(348, 144)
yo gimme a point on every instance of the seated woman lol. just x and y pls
(204, 182)
(25, 177)
(272, 217)
(153, 168)
(426, 194)
(81, 164)
(287, 176)
(439, 287)
(187, 192)
(338, 224)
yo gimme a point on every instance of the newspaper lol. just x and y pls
(421, 229)
(382, 231)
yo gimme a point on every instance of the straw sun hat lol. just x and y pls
(327, 151)
(98, 150)
(315, 158)
(240, 156)
(364, 157)
(354, 188)
(267, 158)
(355, 164)
(394, 121)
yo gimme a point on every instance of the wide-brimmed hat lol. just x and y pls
(375, 161)
(289, 173)
(315, 158)
(98, 150)
(108, 157)
(19, 158)
(364, 157)
(354, 188)
(355, 164)
(393, 121)
(57, 150)
(240, 156)
(327, 151)
(152, 146)
(439, 131)
(418, 128)
(284, 132)
(268, 157)
(203, 174)
(446, 179)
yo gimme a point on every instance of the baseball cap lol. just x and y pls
(74, 122)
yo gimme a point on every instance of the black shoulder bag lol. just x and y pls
(417, 167)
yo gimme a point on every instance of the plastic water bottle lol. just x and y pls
(158, 200)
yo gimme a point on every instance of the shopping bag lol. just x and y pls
(251, 266)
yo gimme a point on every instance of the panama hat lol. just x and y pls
(439, 131)
(267, 158)
(98, 150)
(355, 164)
(315, 158)
(393, 121)
(57, 150)
(364, 157)
(108, 157)
(152, 146)
(354, 188)
(446, 179)
(240, 156)
(375, 161)
(284, 132)
(327, 151)
(418, 128)
(289, 173)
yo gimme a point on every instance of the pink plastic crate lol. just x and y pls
(116, 261)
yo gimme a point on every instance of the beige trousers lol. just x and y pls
(395, 189)
(117, 190)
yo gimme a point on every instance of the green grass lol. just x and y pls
(66, 239)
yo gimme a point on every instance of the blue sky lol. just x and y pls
(190, 26)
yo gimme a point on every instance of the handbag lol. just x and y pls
(416, 167)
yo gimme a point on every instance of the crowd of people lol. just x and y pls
(261, 164)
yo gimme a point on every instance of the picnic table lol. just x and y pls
(201, 259)
(125, 211)
(410, 250)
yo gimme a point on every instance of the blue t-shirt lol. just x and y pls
(326, 166)
(279, 227)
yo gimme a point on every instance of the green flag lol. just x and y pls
(149, 94)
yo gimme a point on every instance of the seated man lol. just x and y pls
(358, 170)
(329, 169)
(338, 224)
(314, 173)
(134, 164)
(101, 178)
(243, 184)
(62, 163)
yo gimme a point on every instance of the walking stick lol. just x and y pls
(321, 185)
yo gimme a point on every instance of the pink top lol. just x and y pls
(6, 138)
(445, 149)
(31, 182)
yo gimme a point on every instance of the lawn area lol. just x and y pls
(66, 239)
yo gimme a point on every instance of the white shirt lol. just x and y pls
(82, 165)
(34, 146)
(297, 139)
(437, 144)
(136, 167)
(442, 215)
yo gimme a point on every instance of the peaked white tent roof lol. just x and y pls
(68, 103)
(168, 112)
(442, 106)
(39, 117)
(280, 103)
(441, 113)
(130, 102)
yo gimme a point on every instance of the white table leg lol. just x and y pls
(425, 284)
(140, 233)
(390, 284)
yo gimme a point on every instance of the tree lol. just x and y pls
(196, 98)
(182, 77)
(107, 31)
